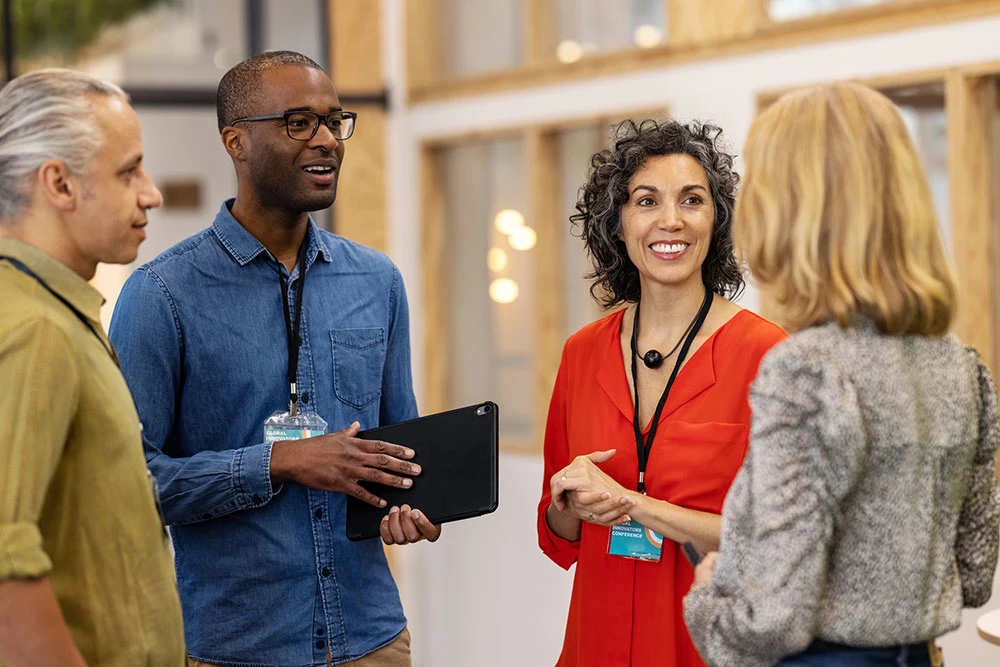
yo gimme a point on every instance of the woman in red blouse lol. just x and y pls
(655, 216)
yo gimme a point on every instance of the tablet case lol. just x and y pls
(458, 452)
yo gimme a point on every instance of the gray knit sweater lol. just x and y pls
(867, 512)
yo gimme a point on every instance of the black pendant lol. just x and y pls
(652, 359)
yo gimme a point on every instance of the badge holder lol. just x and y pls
(293, 425)
(634, 540)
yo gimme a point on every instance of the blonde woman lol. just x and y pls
(866, 514)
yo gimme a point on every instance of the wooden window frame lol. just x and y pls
(755, 35)
(360, 211)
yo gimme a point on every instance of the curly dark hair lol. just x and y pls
(615, 277)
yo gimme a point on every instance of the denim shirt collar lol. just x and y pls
(244, 246)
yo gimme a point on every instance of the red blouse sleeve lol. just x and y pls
(562, 552)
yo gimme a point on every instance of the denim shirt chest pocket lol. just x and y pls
(358, 358)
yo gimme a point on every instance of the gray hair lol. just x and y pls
(46, 115)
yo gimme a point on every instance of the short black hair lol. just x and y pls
(615, 278)
(240, 86)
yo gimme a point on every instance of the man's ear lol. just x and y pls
(58, 186)
(235, 142)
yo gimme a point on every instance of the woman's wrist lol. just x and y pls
(645, 509)
(638, 505)
(562, 524)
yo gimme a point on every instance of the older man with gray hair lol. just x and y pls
(85, 570)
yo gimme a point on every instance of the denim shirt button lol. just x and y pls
(318, 514)
(320, 644)
(305, 397)
(319, 632)
(325, 572)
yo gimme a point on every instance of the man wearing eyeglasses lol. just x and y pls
(243, 345)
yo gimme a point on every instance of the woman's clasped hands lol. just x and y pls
(585, 492)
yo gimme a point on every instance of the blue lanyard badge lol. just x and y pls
(286, 426)
(632, 539)
(292, 424)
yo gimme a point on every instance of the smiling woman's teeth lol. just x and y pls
(668, 248)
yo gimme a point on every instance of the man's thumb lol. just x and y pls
(352, 430)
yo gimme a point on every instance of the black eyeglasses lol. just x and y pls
(302, 125)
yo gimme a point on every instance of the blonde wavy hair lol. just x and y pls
(835, 217)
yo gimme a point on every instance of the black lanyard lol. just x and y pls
(293, 329)
(643, 448)
(20, 266)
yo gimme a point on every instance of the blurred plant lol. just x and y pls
(60, 28)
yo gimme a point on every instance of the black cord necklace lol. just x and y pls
(653, 359)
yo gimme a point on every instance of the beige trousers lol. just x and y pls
(394, 654)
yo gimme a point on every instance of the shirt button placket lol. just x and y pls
(325, 635)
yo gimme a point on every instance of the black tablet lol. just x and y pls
(458, 452)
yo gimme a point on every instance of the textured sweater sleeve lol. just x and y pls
(806, 449)
(979, 522)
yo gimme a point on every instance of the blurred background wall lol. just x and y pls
(477, 120)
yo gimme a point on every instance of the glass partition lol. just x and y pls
(574, 149)
(785, 10)
(183, 43)
(923, 111)
(489, 277)
(480, 36)
(586, 27)
(160, 44)
(483, 36)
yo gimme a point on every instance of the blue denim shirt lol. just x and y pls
(266, 575)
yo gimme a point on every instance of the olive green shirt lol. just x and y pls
(76, 501)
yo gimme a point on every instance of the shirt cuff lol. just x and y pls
(561, 551)
(253, 475)
(21, 553)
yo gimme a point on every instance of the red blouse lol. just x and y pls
(627, 612)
